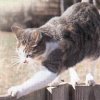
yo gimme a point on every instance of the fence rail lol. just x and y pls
(62, 92)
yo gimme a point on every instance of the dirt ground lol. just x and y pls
(12, 74)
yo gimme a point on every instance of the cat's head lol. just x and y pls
(30, 43)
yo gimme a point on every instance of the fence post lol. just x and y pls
(84, 93)
(61, 92)
(38, 95)
(6, 97)
(97, 92)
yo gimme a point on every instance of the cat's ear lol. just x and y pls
(37, 37)
(41, 35)
(17, 30)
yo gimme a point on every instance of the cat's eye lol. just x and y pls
(23, 42)
(28, 56)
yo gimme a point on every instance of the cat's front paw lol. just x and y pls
(89, 80)
(15, 91)
(75, 80)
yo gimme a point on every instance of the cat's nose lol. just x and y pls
(25, 61)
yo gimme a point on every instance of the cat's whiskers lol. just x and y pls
(15, 57)
(19, 66)
(15, 61)
(14, 64)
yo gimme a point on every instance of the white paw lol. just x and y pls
(15, 91)
(89, 80)
(74, 78)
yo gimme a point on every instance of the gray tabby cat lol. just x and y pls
(58, 45)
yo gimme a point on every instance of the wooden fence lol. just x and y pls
(63, 92)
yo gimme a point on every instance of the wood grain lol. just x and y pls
(38, 95)
(62, 92)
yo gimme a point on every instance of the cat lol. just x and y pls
(59, 44)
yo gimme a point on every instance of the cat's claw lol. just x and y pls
(15, 91)
(89, 80)
(74, 78)
(74, 83)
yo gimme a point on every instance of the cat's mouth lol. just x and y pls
(25, 61)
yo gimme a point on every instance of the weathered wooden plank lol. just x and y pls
(97, 92)
(6, 97)
(84, 93)
(49, 93)
(61, 92)
(38, 95)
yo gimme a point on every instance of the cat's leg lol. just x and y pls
(38, 81)
(55, 82)
(90, 75)
(74, 78)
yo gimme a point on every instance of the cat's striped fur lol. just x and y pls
(60, 44)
